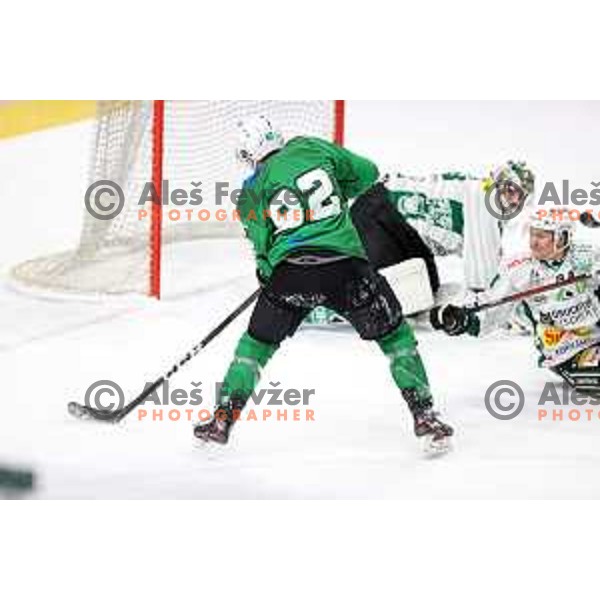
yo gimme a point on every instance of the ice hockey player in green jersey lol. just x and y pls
(294, 209)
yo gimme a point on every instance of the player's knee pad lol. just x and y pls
(371, 307)
(251, 355)
(273, 321)
(406, 365)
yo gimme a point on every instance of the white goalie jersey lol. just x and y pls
(449, 212)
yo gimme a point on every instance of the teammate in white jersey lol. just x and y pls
(566, 320)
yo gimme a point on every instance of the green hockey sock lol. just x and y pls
(406, 365)
(243, 374)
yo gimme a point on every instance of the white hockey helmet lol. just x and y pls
(257, 138)
(556, 221)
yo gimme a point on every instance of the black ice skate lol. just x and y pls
(428, 427)
(216, 431)
(435, 433)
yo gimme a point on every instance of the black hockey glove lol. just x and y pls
(455, 320)
(263, 280)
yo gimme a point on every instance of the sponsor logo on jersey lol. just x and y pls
(551, 336)
(570, 314)
(513, 264)
(568, 344)
(569, 347)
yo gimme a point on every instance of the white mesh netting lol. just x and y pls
(113, 256)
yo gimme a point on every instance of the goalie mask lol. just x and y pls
(257, 138)
(513, 180)
(516, 172)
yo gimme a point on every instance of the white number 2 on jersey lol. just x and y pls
(322, 202)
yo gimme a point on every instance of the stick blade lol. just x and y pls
(86, 413)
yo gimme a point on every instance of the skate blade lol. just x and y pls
(204, 443)
(212, 452)
(433, 448)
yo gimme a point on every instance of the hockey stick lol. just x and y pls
(434, 317)
(589, 220)
(82, 411)
(530, 292)
(585, 380)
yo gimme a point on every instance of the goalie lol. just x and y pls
(451, 213)
(565, 321)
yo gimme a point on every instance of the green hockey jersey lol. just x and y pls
(297, 201)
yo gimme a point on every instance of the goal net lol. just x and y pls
(168, 158)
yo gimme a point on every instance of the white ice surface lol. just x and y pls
(360, 445)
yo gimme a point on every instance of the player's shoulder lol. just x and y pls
(518, 263)
(516, 270)
(308, 142)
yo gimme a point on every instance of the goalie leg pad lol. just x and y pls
(410, 282)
